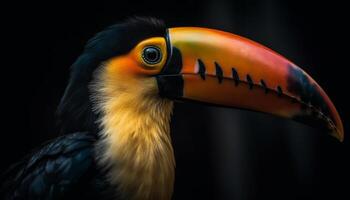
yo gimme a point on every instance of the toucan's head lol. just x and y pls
(141, 58)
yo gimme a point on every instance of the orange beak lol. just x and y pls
(215, 67)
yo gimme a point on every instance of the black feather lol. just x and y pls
(65, 168)
(54, 170)
(75, 109)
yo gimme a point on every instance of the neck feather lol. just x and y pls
(136, 145)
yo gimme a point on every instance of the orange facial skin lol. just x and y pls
(132, 65)
(130, 73)
(225, 69)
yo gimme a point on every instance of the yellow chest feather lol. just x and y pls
(136, 144)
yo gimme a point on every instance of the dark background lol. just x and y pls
(221, 153)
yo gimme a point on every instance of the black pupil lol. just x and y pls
(152, 54)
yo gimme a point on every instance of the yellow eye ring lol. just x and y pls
(152, 55)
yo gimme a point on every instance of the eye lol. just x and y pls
(152, 55)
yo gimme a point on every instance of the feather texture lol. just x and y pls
(54, 171)
(135, 157)
(74, 112)
(135, 143)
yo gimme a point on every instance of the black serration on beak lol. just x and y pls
(235, 76)
(219, 72)
(250, 82)
(201, 70)
(263, 84)
(279, 91)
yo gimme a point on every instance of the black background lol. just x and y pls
(221, 153)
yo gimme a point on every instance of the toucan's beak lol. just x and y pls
(220, 68)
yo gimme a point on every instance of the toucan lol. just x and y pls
(116, 110)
